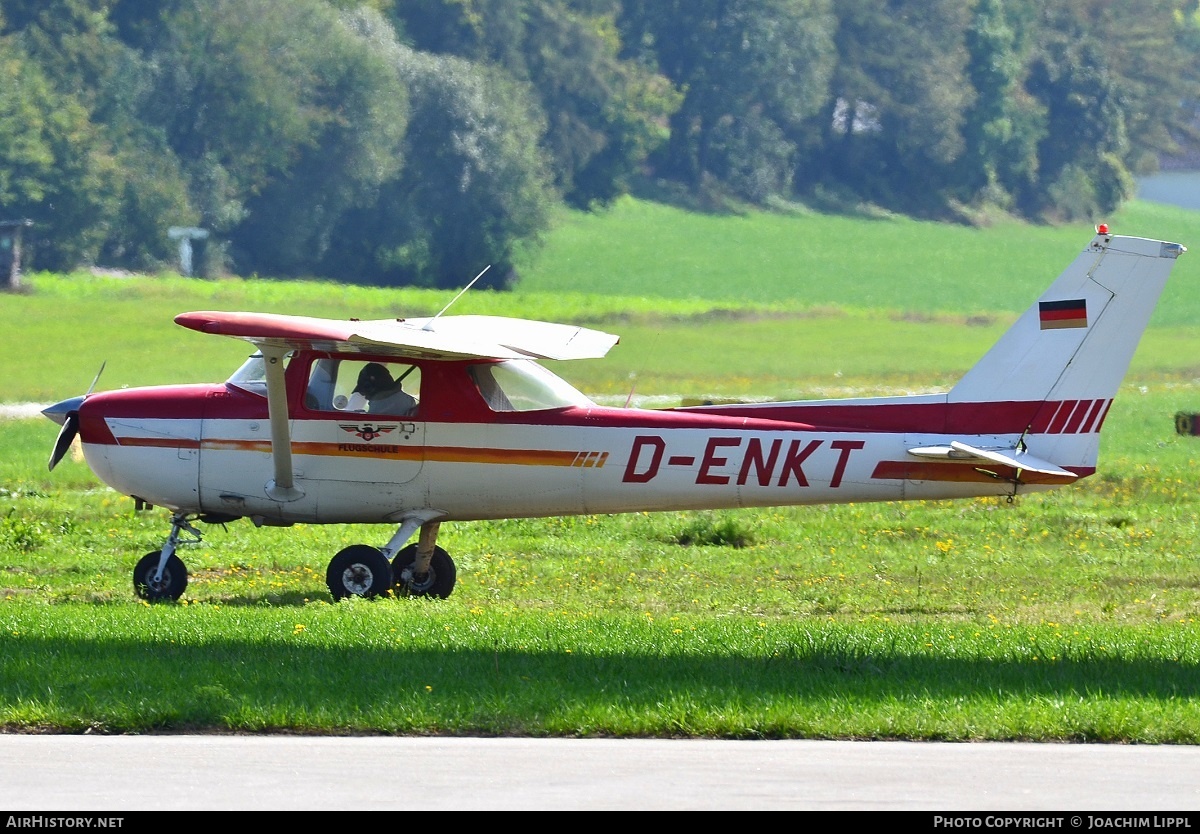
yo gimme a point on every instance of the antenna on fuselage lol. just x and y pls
(429, 323)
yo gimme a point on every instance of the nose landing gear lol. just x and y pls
(160, 574)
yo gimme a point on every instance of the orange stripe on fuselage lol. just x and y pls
(389, 451)
(159, 442)
(520, 457)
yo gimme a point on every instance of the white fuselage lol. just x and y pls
(367, 471)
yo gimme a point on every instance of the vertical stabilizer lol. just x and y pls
(1077, 340)
(1062, 362)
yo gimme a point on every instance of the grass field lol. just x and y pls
(1067, 616)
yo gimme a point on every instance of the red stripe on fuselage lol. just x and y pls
(1008, 417)
(1061, 416)
(1081, 411)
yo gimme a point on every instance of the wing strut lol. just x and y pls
(283, 487)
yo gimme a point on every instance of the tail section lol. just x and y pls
(1029, 412)
(1077, 341)
(1065, 357)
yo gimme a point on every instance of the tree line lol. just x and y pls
(412, 142)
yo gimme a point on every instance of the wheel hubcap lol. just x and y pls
(357, 579)
(418, 585)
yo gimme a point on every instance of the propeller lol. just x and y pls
(66, 414)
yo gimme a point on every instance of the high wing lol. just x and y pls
(450, 337)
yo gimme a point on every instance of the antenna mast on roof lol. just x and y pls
(460, 292)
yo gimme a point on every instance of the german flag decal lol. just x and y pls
(1057, 315)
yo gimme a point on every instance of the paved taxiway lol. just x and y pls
(215, 772)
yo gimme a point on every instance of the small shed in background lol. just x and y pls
(11, 232)
(185, 235)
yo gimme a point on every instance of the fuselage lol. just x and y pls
(207, 449)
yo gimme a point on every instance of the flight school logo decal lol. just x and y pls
(1059, 315)
(367, 431)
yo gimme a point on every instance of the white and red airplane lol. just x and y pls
(487, 432)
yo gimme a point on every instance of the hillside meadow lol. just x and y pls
(1068, 616)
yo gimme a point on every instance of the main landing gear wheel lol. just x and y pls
(358, 571)
(172, 584)
(438, 582)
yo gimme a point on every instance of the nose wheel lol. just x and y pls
(152, 586)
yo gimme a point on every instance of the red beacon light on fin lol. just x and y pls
(1102, 229)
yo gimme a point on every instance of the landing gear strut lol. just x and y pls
(424, 569)
(418, 570)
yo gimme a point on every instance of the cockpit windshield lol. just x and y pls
(251, 376)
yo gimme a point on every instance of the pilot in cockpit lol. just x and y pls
(383, 394)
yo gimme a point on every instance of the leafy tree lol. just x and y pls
(355, 147)
(1119, 83)
(78, 45)
(56, 167)
(1004, 124)
(231, 96)
(751, 71)
(476, 189)
(604, 113)
(1086, 135)
(305, 135)
(894, 123)
(1150, 51)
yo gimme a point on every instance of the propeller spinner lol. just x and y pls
(66, 414)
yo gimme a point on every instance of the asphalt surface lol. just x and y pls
(47, 774)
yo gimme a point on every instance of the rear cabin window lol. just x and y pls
(523, 385)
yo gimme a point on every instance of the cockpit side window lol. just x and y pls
(357, 385)
(321, 380)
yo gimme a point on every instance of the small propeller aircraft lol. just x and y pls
(313, 428)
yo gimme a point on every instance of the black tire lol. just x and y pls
(358, 571)
(439, 582)
(171, 586)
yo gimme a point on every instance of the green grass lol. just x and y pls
(650, 251)
(1066, 616)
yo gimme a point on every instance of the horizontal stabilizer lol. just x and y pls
(1016, 458)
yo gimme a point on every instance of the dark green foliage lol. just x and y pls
(603, 111)
(1003, 125)
(715, 529)
(56, 166)
(751, 71)
(893, 122)
(473, 187)
(346, 158)
(417, 142)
